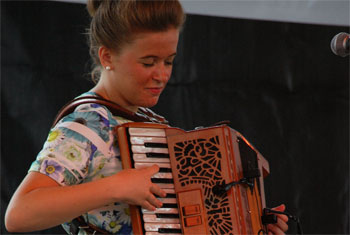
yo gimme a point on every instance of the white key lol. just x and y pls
(165, 186)
(143, 158)
(147, 132)
(156, 233)
(161, 211)
(154, 227)
(139, 165)
(167, 200)
(142, 140)
(150, 218)
(143, 149)
(171, 191)
(161, 175)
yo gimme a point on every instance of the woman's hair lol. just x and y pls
(115, 22)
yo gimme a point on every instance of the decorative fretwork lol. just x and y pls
(199, 162)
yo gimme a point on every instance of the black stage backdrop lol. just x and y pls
(278, 83)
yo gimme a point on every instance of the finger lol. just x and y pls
(279, 228)
(274, 229)
(153, 169)
(155, 189)
(283, 217)
(146, 205)
(281, 208)
(154, 201)
(282, 224)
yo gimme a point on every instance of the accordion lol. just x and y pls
(213, 178)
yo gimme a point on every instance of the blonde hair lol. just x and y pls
(114, 23)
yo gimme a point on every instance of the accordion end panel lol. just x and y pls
(200, 160)
(252, 167)
(198, 163)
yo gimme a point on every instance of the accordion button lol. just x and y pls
(191, 210)
(193, 221)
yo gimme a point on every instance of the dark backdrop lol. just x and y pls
(278, 83)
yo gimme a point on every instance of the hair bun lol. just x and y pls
(92, 6)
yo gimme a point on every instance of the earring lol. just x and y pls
(108, 68)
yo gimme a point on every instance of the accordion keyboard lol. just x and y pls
(149, 147)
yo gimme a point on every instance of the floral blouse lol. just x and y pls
(81, 148)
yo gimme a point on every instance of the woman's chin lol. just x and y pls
(150, 102)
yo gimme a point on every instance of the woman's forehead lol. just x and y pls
(164, 43)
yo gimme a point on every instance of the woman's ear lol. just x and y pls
(105, 56)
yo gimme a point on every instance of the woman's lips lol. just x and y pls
(155, 90)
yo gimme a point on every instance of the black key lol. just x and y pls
(165, 170)
(162, 181)
(157, 155)
(170, 195)
(169, 205)
(169, 230)
(169, 216)
(156, 145)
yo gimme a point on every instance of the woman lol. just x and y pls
(133, 44)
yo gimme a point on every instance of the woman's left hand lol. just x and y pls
(281, 226)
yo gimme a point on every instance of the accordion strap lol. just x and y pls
(90, 229)
(142, 115)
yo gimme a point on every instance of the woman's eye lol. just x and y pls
(169, 62)
(148, 64)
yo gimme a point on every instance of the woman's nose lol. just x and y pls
(162, 73)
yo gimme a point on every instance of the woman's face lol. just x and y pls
(142, 69)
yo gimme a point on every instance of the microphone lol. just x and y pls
(340, 44)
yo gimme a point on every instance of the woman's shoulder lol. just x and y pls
(90, 103)
(88, 123)
(89, 111)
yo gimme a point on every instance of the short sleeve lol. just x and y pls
(68, 152)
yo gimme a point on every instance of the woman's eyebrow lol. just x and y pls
(173, 55)
(153, 56)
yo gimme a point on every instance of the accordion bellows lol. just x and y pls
(213, 178)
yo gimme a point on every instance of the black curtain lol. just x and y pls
(277, 83)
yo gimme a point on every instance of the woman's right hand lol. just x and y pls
(136, 188)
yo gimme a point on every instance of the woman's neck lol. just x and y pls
(100, 89)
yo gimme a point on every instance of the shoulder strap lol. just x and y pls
(143, 115)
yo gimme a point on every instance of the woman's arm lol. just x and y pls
(40, 202)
